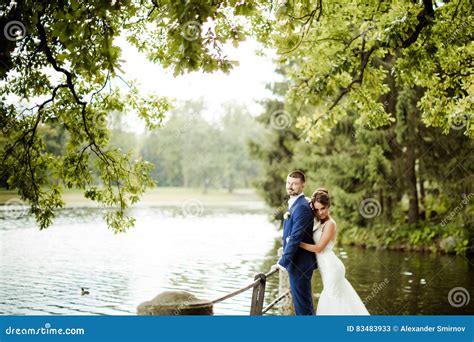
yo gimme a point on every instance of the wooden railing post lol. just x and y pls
(286, 304)
(258, 295)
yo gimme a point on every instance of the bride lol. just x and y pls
(338, 296)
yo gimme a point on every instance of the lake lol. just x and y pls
(208, 253)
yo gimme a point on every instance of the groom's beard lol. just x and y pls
(292, 193)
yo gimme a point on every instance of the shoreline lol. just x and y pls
(371, 238)
(164, 196)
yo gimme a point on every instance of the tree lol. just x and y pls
(62, 63)
(343, 51)
(385, 181)
(60, 66)
(378, 90)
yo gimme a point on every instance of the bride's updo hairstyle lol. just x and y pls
(321, 195)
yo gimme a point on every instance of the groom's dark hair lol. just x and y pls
(297, 174)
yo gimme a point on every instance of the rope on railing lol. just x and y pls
(243, 289)
(275, 301)
(235, 293)
(271, 272)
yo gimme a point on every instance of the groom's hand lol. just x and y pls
(277, 266)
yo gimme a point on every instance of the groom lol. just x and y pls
(298, 227)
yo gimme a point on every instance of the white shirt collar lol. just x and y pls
(293, 200)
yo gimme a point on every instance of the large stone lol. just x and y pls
(175, 303)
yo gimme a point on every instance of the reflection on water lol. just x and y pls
(210, 255)
(403, 283)
(43, 271)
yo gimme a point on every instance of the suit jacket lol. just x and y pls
(298, 228)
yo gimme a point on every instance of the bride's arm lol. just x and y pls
(327, 236)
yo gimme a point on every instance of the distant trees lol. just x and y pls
(190, 151)
(377, 106)
(394, 176)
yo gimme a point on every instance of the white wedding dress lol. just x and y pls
(338, 296)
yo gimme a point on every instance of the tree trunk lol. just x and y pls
(422, 197)
(411, 169)
(230, 184)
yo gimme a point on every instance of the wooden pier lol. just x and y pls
(176, 303)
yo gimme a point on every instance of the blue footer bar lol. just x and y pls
(237, 328)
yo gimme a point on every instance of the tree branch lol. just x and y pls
(425, 17)
(108, 160)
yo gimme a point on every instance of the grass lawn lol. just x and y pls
(163, 196)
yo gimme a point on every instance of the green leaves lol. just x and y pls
(152, 109)
(344, 66)
(342, 57)
(70, 58)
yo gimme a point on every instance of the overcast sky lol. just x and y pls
(245, 83)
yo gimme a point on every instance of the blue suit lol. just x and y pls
(299, 263)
